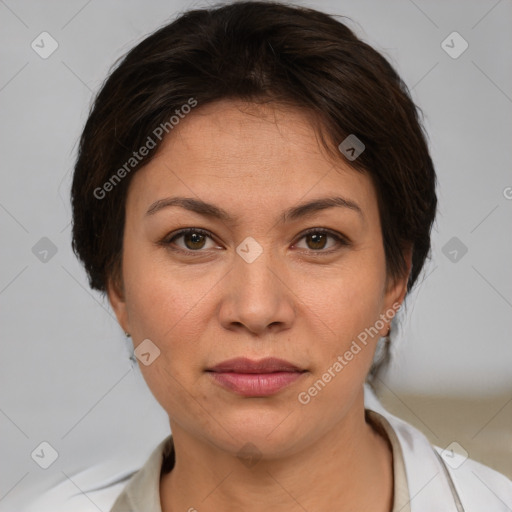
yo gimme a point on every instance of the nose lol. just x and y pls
(258, 296)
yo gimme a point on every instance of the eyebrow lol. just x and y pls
(210, 210)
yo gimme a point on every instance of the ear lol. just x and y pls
(116, 297)
(396, 289)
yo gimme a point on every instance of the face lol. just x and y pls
(266, 279)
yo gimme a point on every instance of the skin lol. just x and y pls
(301, 300)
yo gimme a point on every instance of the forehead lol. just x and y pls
(238, 152)
(227, 131)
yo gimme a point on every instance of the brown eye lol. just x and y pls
(194, 239)
(317, 240)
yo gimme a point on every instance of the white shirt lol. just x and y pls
(142, 493)
(426, 478)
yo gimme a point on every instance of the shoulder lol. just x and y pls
(440, 477)
(142, 492)
(86, 491)
(476, 482)
(107, 487)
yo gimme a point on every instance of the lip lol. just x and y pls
(245, 365)
(255, 378)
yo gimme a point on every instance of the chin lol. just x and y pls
(273, 432)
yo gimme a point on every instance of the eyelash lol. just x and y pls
(168, 240)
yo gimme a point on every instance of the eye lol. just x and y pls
(316, 240)
(194, 239)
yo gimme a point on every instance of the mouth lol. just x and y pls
(250, 378)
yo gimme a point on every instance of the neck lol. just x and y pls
(333, 473)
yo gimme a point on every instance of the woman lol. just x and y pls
(255, 195)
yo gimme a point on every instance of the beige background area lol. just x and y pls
(482, 425)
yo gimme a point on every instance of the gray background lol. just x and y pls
(65, 373)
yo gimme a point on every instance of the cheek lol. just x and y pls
(171, 313)
(348, 308)
(161, 297)
(168, 308)
(347, 299)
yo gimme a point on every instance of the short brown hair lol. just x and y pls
(259, 52)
